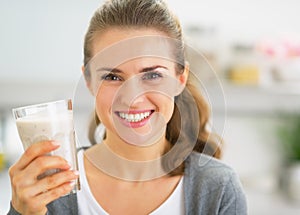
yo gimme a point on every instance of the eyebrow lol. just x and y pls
(115, 70)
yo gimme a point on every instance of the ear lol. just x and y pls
(182, 78)
(87, 82)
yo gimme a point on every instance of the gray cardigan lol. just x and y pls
(210, 188)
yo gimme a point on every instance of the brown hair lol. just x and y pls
(154, 14)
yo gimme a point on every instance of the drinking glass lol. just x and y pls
(49, 121)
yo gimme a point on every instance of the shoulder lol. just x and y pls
(205, 174)
(205, 171)
(201, 166)
(211, 182)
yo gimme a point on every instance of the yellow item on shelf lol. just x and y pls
(2, 162)
(245, 74)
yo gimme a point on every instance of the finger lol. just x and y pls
(30, 154)
(55, 193)
(44, 164)
(53, 181)
(35, 150)
(36, 168)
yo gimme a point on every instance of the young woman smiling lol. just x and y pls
(152, 159)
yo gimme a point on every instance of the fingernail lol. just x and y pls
(72, 183)
(55, 143)
(76, 172)
(67, 166)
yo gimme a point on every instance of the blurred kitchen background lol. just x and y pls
(252, 81)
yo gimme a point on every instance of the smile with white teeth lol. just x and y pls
(134, 117)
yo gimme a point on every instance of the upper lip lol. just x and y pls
(134, 111)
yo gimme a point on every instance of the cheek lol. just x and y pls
(165, 105)
(104, 101)
(170, 109)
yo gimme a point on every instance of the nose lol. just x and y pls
(131, 93)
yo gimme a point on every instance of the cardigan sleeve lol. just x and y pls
(233, 201)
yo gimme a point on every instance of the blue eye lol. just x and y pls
(152, 76)
(110, 77)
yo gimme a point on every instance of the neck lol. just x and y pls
(128, 162)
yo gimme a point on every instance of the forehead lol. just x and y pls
(113, 35)
(116, 46)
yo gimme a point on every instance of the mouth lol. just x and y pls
(134, 118)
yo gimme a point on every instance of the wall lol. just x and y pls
(43, 39)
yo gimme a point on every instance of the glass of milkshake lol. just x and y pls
(49, 121)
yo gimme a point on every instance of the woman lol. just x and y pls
(151, 160)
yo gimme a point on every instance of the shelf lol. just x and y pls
(255, 99)
(225, 97)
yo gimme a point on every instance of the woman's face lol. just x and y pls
(134, 98)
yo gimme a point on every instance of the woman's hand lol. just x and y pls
(30, 195)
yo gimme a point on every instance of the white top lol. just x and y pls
(87, 204)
